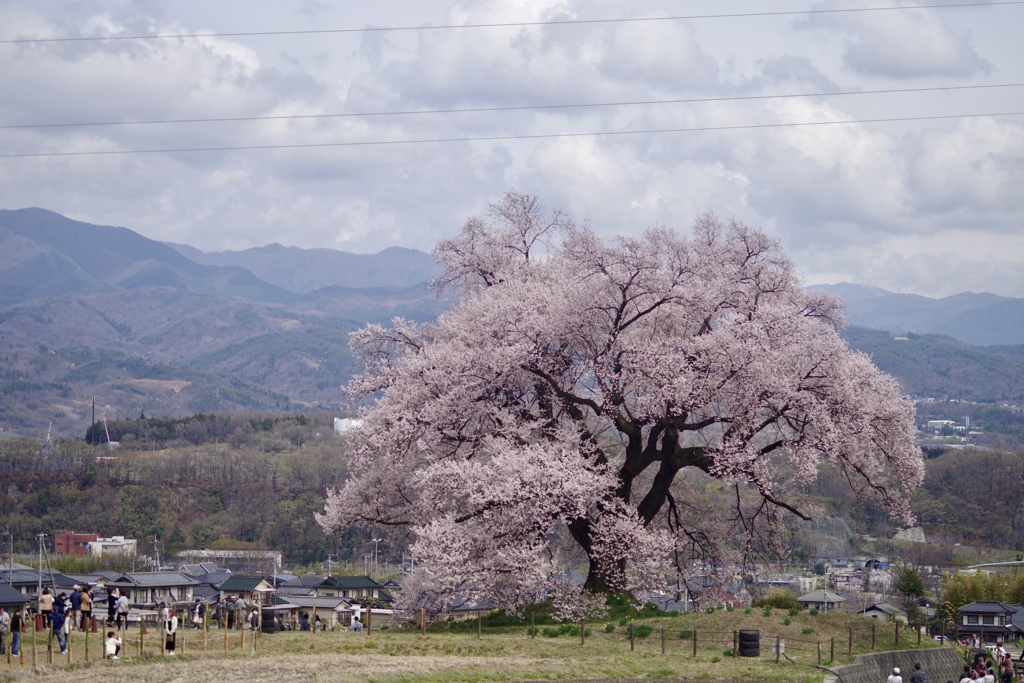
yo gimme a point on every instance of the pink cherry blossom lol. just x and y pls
(581, 394)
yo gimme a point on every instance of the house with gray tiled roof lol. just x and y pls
(148, 589)
(884, 611)
(252, 589)
(992, 621)
(822, 600)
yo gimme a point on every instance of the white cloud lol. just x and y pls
(911, 43)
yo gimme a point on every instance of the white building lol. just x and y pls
(115, 545)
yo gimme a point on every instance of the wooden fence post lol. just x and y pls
(142, 636)
(919, 635)
(479, 625)
(87, 645)
(695, 643)
(206, 628)
(849, 647)
(226, 629)
(896, 631)
(423, 620)
(872, 635)
(819, 653)
(369, 620)
(662, 640)
(630, 636)
(734, 645)
(832, 649)
(778, 647)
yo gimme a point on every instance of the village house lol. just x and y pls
(992, 621)
(253, 589)
(821, 600)
(883, 611)
(148, 589)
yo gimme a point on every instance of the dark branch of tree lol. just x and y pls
(566, 396)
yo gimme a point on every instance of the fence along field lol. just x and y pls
(659, 647)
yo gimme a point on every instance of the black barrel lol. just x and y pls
(269, 623)
(750, 643)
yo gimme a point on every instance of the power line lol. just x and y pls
(510, 24)
(284, 117)
(493, 138)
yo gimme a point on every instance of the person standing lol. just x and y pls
(229, 609)
(17, 626)
(46, 606)
(76, 607)
(1007, 665)
(918, 676)
(122, 611)
(87, 608)
(112, 596)
(171, 630)
(895, 677)
(239, 611)
(198, 612)
(5, 627)
(57, 625)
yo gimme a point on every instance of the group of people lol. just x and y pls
(988, 668)
(231, 612)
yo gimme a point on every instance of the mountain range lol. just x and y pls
(982, 319)
(98, 312)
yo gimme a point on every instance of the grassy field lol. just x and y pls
(499, 654)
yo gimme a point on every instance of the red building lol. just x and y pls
(70, 543)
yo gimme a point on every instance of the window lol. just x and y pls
(972, 618)
(988, 621)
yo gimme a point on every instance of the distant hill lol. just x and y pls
(305, 270)
(934, 366)
(102, 312)
(982, 319)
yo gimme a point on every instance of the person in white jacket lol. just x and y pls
(171, 631)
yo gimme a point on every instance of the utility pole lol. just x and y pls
(376, 573)
(40, 537)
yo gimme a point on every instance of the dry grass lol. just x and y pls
(390, 656)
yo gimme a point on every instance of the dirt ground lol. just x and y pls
(310, 668)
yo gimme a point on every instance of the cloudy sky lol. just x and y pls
(931, 206)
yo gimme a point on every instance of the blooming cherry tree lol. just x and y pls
(559, 409)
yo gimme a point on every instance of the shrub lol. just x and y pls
(622, 621)
(549, 632)
(685, 635)
(793, 611)
(767, 611)
(779, 599)
(715, 660)
(641, 630)
(808, 631)
(729, 608)
(609, 628)
(727, 653)
(747, 610)
(814, 612)
(710, 610)
(786, 622)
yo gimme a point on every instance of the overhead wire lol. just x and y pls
(537, 107)
(493, 138)
(509, 24)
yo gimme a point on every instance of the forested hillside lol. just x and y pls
(255, 481)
